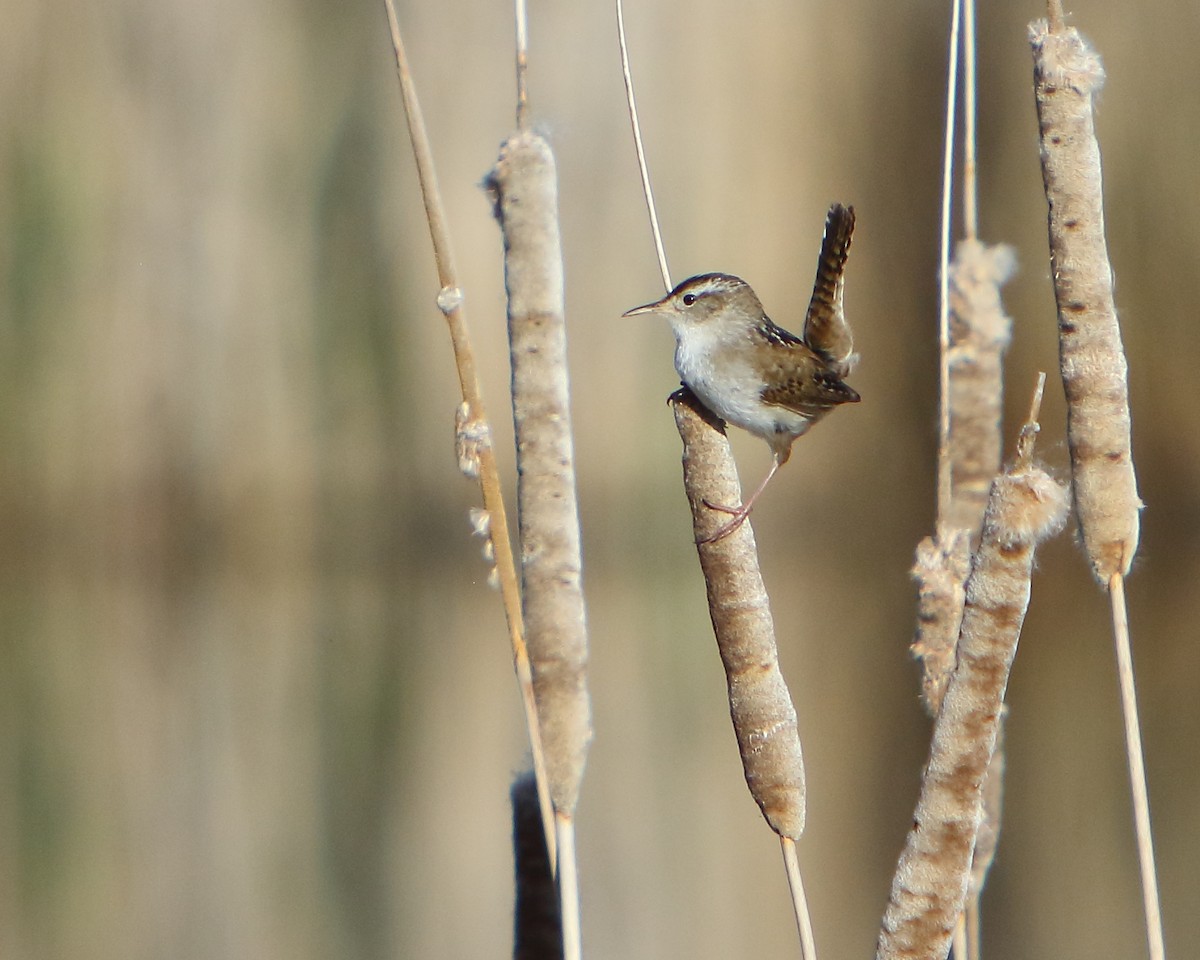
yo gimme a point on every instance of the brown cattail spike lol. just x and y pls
(980, 332)
(940, 572)
(1067, 74)
(525, 191)
(931, 881)
(760, 706)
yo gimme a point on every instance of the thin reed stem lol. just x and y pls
(643, 170)
(791, 863)
(945, 474)
(1054, 14)
(568, 887)
(1137, 769)
(973, 333)
(970, 175)
(482, 459)
(522, 65)
(959, 949)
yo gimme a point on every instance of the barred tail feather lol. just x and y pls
(825, 327)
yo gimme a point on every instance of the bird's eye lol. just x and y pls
(689, 299)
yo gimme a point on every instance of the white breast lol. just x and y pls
(734, 392)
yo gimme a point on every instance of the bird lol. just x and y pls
(751, 372)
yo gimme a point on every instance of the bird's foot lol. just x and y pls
(738, 517)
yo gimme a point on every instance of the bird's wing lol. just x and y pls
(800, 381)
(773, 333)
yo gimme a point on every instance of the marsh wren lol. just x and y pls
(753, 373)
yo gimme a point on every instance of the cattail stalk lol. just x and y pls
(524, 189)
(980, 333)
(931, 881)
(1067, 77)
(764, 719)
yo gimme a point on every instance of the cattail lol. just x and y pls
(969, 458)
(980, 332)
(537, 929)
(940, 572)
(524, 188)
(1067, 75)
(988, 838)
(764, 719)
(1026, 506)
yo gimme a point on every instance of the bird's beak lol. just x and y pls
(655, 307)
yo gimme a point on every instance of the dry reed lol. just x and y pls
(973, 335)
(523, 185)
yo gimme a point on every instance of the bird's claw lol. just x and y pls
(739, 517)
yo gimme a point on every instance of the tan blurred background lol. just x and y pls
(255, 696)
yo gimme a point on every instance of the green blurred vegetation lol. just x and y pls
(255, 698)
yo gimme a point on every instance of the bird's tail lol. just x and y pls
(825, 327)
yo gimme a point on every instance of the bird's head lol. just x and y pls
(701, 300)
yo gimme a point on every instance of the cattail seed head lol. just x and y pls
(1067, 74)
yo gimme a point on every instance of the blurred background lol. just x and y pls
(255, 695)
